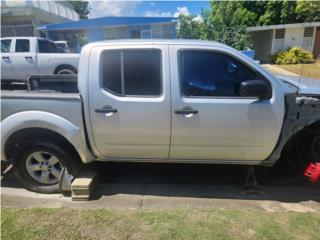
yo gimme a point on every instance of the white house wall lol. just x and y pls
(293, 37)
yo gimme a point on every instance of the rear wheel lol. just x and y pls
(66, 71)
(38, 165)
(44, 167)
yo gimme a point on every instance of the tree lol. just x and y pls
(82, 8)
(190, 27)
(308, 11)
(226, 21)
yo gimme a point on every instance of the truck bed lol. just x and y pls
(58, 112)
(44, 83)
(67, 105)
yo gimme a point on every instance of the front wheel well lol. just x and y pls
(28, 135)
(303, 147)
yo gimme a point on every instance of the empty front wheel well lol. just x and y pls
(303, 146)
(26, 136)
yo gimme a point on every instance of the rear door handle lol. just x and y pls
(185, 111)
(107, 110)
(5, 58)
(103, 110)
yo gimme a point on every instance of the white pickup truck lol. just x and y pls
(159, 101)
(23, 56)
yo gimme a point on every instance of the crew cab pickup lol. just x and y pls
(176, 101)
(23, 56)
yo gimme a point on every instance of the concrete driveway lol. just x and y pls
(177, 186)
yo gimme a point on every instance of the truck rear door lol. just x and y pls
(47, 51)
(24, 58)
(210, 120)
(129, 101)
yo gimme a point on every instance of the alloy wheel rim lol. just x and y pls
(44, 167)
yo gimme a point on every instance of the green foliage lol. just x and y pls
(82, 8)
(189, 28)
(293, 55)
(226, 21)
(308, 11)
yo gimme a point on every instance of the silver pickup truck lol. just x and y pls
(157, 101)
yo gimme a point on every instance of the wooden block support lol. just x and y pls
(82, 186)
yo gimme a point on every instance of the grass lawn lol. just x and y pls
(309, 70)
(184, 224)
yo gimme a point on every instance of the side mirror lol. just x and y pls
(255, 88)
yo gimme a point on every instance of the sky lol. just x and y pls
(145, 8)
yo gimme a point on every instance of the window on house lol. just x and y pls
(279, 33)
(210, 74)
(146, 34)
(5, 45)
(307, 38)
(308, 32)
(22, 45)
(278, 42)
(135, 34)
(132, 72)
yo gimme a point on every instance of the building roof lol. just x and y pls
(106, 21)
(280, 26)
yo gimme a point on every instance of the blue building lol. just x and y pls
(78, 33)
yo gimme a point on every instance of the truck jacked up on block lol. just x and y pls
(158, 101)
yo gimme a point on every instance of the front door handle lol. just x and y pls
(28, 58)
(187, 112)
(107, 110)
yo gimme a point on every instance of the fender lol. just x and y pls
(45, 120)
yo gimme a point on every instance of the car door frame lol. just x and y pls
(94, 85)
(177, 97)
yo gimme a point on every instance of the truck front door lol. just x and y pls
(6, 61)
(210, 120)
(129, 101)
(24, 59)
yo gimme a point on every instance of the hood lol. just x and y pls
(307, 86)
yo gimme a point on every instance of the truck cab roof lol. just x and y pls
(158, 41)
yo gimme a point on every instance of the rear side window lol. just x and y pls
(46, 46)
(134, 72)
(22, 45)
(5, 45)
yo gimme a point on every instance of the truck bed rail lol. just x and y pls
(44, 83)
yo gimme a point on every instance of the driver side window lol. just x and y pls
(211, 74)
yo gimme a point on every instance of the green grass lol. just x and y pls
(183, 224)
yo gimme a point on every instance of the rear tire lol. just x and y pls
(38, 165)
(66, 71)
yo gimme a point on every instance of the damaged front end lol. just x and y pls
(299, 141)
